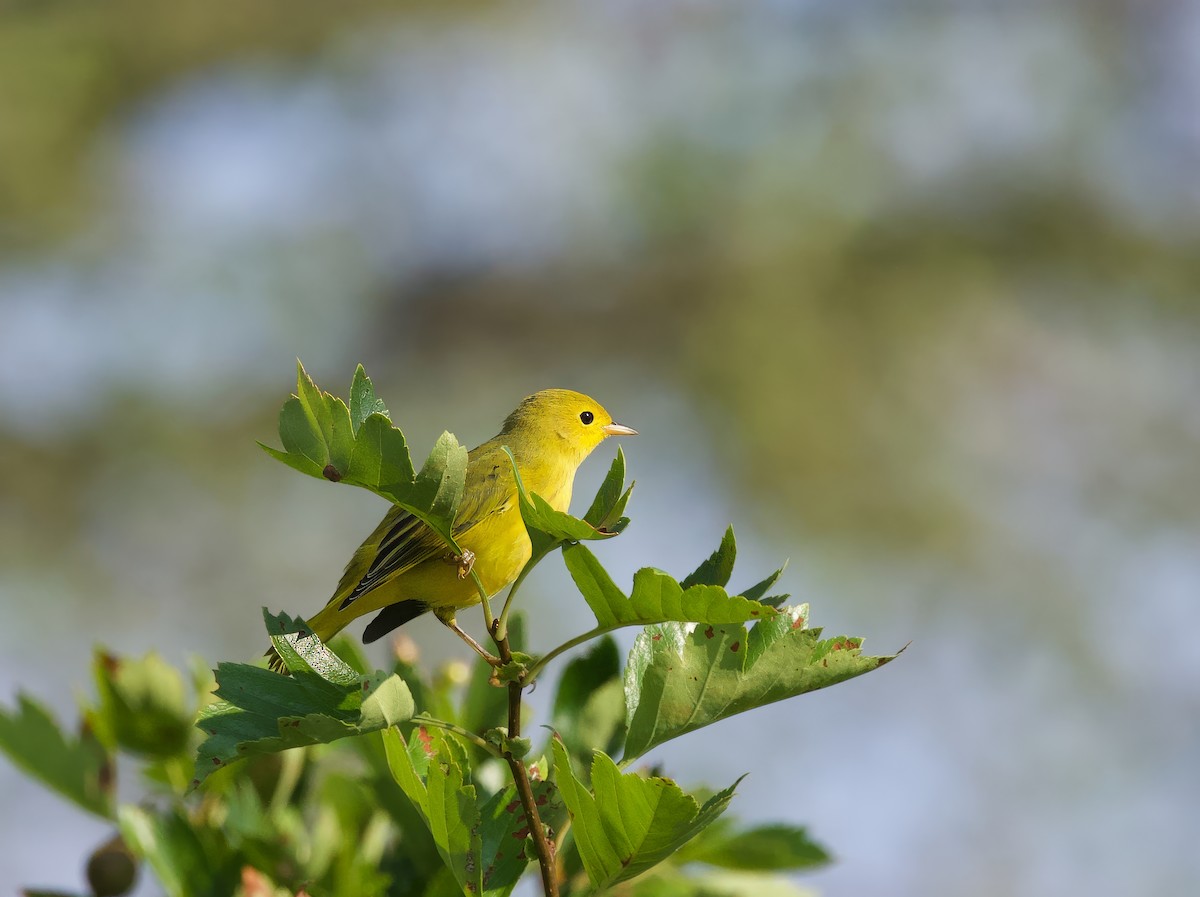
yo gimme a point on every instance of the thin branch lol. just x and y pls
(541, 844)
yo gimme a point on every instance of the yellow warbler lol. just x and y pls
(404, 569)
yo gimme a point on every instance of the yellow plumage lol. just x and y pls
(404, 569)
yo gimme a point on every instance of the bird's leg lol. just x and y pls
(465, 562)
(449, 621)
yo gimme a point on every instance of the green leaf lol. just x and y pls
(80, 770)
(673, 882)
(439, 486)
(656, 597)
(612, 496)
(171, 846)
(763, 848)
(433, 770)
(324, 699)
(757, 591)
(549, 528)
(481, 841)
(681, 677)
(630, 823)
(719, 567)
(505, 850)
(143, 707)
(363, 402)
(380, 460)
(357, 444)
(589, 706)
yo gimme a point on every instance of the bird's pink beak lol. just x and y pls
(618, 430)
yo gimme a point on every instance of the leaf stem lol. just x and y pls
(539, 664)
(462, 733)
(484, 600)
(500, 626)
(291, 764)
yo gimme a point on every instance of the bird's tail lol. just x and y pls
(324, 625)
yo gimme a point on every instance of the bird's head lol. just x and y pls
(560, 419)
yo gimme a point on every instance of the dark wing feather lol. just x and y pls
(392, 617)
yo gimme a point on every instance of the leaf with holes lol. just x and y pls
(324, 699)
(628, 824)
(684, 676)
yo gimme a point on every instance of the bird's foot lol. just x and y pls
(466, 561)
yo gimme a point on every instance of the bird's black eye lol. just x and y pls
(587, 417)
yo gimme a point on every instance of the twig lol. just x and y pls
(541, 844)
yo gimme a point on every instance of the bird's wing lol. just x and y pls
(401, 541)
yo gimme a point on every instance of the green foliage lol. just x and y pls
(479, 837)
(357, 444)
(79, 769)
(775, 847)
(683, 676)
(336, 780)
(323, 699)
(143, 707)
(656, 597)
(548, 529)
(589, 707)
(630, 823)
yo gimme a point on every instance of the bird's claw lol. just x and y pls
(465, 562)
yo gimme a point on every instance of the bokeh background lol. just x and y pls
(907, 292)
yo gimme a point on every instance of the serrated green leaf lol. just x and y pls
(433, 770)
(439, 486)
(656, 597)
(79, 769)
(681, 677)
(143, 707)
(363, 401)
(301, 438)
(482, 841)
(612, 496)
(380, 460)
(758, 591)
(774, 847)
(505, 854)
(547, 527)
(357, 444)
(629, 824)
(716, 570)
(324, 699)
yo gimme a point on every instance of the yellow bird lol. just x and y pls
(404, 569)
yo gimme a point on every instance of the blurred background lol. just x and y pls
(906, 292)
